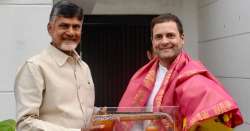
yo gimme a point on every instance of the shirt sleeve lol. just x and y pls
(29, 88)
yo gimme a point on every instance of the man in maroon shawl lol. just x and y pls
(172, 78)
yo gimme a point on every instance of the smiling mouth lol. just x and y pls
(166, 49)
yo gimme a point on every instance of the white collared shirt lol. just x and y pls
(54, 92)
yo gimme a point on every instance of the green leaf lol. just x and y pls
(8, 125)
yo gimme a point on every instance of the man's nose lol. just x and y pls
(164, 39)
(70, 31)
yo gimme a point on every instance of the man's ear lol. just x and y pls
(151, 40)
(182, 36)
(49, 28)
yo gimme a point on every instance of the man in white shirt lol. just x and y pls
(54, 90)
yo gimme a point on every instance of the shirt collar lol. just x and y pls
(60, 57)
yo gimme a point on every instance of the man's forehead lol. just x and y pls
(166, 23)
(67, 20)
(168, 26)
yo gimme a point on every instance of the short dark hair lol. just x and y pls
(166, 18)
(66, 9)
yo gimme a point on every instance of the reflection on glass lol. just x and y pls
(164, 118)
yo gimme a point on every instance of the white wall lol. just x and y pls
(136, 6)
(189, 18)
(23, 33)
(224, 43)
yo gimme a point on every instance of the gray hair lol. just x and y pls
(66, 9)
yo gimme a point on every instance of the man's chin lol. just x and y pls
(68, 47)
(167, 56)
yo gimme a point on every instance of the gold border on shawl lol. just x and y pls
(160, 95)
(217, 109)
(138, 97)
